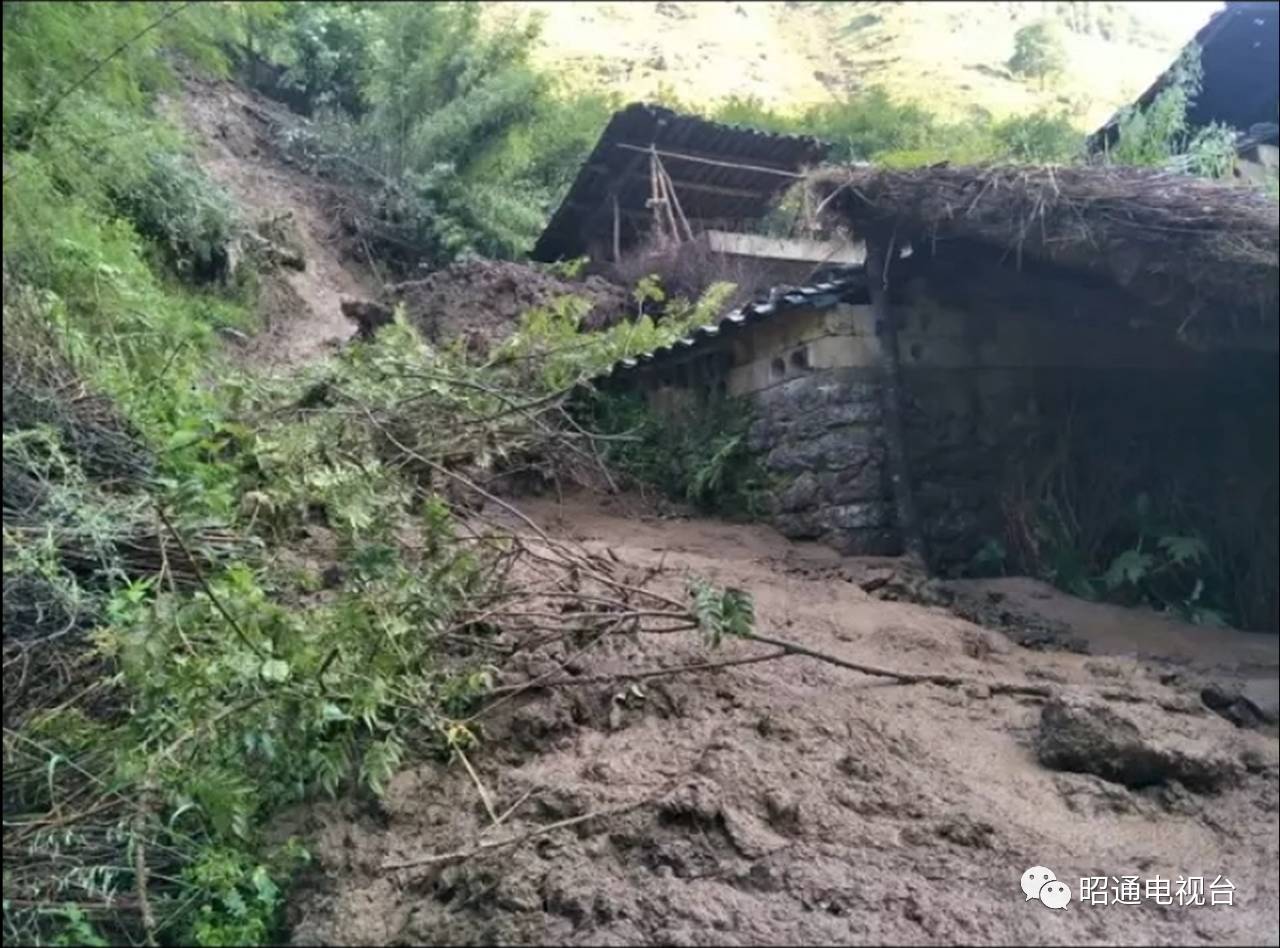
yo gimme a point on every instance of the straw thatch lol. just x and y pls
(1201, 250)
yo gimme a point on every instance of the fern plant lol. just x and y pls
(722, 612)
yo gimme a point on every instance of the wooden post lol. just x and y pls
(655, 195)
(674, 203)
(672, 231)
(880, 252)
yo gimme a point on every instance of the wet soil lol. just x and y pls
(791, 801)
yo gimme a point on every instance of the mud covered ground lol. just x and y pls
(785, 801)
(790, 801)
(482, 300)
(234, 132)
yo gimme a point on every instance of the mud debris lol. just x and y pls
(482, 300)
(1085, 734)
(807, 803)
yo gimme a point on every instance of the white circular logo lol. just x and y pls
(1055, 894)
(1033, 879)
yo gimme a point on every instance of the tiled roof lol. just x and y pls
(728, 173)
(838, 287)
(1240, 60)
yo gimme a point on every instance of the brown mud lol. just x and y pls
(794, 802)
(300, 308)
(788, 800)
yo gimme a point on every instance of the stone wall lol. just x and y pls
(820, 438)
(1006, 377)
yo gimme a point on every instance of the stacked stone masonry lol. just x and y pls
(820, 438)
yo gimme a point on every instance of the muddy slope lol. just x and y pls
(482, 300)
(233, 131)
(790, 801)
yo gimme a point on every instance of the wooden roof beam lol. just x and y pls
(629, 174)
(632, 212)
(703, 159)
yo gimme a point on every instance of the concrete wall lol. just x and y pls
(800, 343)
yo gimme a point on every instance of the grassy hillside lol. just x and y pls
(950, 55)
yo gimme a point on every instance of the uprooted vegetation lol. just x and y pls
(221, 601)
(169, 683)
(245, 679)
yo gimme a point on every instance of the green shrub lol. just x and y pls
(468, 145)
(550, 338)
(174, 204)
(698, 454)
(1039, 138)
(1158, 136)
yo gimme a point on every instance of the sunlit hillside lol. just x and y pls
(951, 55)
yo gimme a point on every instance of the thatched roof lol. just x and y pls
(1198, 249)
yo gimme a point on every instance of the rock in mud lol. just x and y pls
(369, 317)
(1082, 734)
(1088, 796)
(965, 831)
(1236, 706)
(696, 802)
(783, 811)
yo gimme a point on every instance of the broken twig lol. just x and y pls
(514, 840)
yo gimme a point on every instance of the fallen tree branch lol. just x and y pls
(502, 817)
(906, 678)
(475, 779)
(204, 584)
(650, 673)
(573, 559)
(141, 875)
(515, 840)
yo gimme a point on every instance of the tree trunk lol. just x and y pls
(880, 252)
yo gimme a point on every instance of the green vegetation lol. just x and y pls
(1038, 52)
(1107, 516)
(174, 674)
(466, 146)
(695, 453)
(1158, 136)
(551, 337)
(871, 125)
(114, 284)
(222, 601)
(1133, 556)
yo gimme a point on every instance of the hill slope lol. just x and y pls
(950, 55)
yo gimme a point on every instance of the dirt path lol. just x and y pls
(301, 308)
(793, 802)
